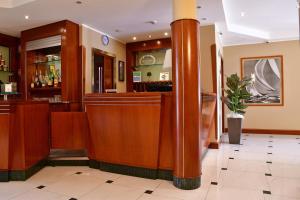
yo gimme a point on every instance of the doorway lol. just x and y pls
(103, 71)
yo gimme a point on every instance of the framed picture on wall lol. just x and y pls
(267, 79)
(121, 69)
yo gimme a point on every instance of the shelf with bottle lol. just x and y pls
(47, 81)
(48, 63)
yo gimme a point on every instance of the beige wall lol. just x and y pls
(207, 38)
(92, 39)
(271, 117)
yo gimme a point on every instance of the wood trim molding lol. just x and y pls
(269, 131)
(213, 49)
(214, 145)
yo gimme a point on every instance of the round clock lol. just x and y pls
(105, 40)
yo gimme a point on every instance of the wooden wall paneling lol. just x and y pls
(36, 133)
(208, 114)
(166, 133)
(61, 130)
(69, 130)
(80, 130)
(124, 129)
(17, 144)
(4, 140)
(29, 142)
(132, 48)
(215, 86)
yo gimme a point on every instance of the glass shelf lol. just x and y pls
(148, 65)
(6, 72)
(45, 89)
(46, 62)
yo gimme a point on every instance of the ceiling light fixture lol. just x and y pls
(26, 17)
(134, 38)
(153, 22)
(149, 36)
(166, 33)
(243, 14)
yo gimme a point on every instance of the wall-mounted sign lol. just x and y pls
(137, 76)
(147, 60)
(164, 76)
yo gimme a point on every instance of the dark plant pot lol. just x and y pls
(234, 130)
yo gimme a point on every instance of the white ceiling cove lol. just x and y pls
(13, 3)
(122, 19)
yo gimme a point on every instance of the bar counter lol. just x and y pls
(24, 138)
(131, 133)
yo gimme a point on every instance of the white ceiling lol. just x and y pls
(264, 19)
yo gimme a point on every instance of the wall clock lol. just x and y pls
(105, 40)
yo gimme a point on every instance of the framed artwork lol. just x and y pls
(121, 70)
(267, 80)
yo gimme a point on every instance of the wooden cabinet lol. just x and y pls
(67, 50)
(69, 130)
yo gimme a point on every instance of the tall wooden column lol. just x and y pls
(187, 94)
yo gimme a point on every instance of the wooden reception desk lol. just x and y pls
(24, 138)
(131, 133)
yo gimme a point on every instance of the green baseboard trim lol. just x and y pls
(23, 175)
(68, 163)
(132, 171)
(4, 176)
(129, 170)
(94, 164)
(165, 174)
(187, 183)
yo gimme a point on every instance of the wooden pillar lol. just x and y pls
(187, 94)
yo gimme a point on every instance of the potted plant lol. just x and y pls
(236, 95)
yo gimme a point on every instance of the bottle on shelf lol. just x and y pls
(32, 82)
(46, 78)
(41, 79)
(37, 83)
(51, 75)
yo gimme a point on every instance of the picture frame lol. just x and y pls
(266, 72)
(121, 71)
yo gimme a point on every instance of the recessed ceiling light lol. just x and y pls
(153, 22)
(134, 38)
(149, 36)
(166, 33)
(243, 14)
(79, 2)
(26, 17)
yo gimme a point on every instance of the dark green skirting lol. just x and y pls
(187, 183)
(4, 176)
(68, 163)
(132, 171)
(23, 175)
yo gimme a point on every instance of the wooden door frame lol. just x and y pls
(99, 52)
